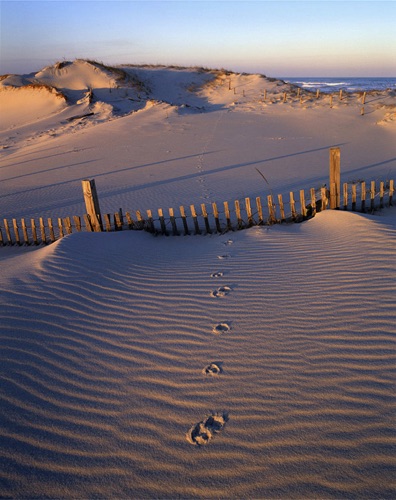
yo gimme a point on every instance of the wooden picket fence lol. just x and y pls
(362, 197)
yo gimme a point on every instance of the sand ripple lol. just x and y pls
(101, 373)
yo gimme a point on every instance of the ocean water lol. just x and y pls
(346, 84)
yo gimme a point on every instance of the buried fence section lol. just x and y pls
(205, 218)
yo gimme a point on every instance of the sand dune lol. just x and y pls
(104, 339)
(253, 364)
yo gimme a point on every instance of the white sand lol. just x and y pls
(105, 337)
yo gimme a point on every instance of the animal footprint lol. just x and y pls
(228, 242)
(222, 291)
(221, 328)
(216, 275)
(226, 256)
(212, 369)
(202, 432)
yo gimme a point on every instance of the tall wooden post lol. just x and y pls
(92, 203)
(335, 177)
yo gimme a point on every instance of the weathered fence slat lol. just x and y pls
(323, 198)
(271, 210)
(238, 214)
(281, 208)
(184, 220)
(173, 222)
(162, 221)
(227, 215)
(216, 217)
(293, 206)
(51, 230)
(140, 220)
(68, 225)
(16, 231)
(372, 196)
(313, 201)
(77, 222)
(121, 217)
(333, 196)
(363, 196)
(150, 222)
(335, 177)
(117, 221)
(129, 220)
(381, 194)
(25, 232)
(345, 195)
(42, 231)
(249, 212)
(87, 221)
(195, 219)
(353, 197)
(206, 219)
(259, 211)
(34, 231)
(303, 208)
(8, 232)
(107, 222)
(60, 226)
(92, 203)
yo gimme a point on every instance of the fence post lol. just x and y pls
(293, 206)
(372, 196)
(271, 210)
(129, 220)
(140, 220)
(353, 197)
(345, 195)
(302, 203)
(259, 211)
(335, 177)
(60, 227)
(150, 222)
(391, 191)
(206, 219)
(51, 230)
(363, 196)
(323, 198)
(313, 201)
(281, 208)
(381, 194)
(34, 231)
(216, 217)
(195, 219)
(162, 222)
(42, 231)
(25, 232)
(16, 232)
(238, 214)
(184, 219)
(92, 203)
(173, 222)
(8, 232)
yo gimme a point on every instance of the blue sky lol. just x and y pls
(277, 38)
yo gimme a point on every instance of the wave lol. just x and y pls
(329, 84)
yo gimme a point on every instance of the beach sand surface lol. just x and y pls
(250, 364)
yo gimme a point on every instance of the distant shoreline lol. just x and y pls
(348, 84)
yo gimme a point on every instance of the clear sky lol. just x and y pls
(277, 38)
